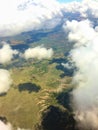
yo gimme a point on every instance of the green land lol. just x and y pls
(36, 84)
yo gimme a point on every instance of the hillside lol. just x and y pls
(36, 84)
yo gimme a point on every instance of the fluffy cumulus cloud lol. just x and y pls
(8, 126)
(5, 81)
(38, 52)
(84, 56)
(6, 53)
(82, 31)
(25, 15)
(86, 9)
(4, 126)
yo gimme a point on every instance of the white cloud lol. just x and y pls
(70, 7)
(38, 52)
(86, 8)
(4, 126)
(25, 15)
(96, 28)
(92, 8)
(5, 81)
(6, 53)
(66, 65)
(8, 126)
(84, 55)
(80, 32)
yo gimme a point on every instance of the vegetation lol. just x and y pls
(37, 85)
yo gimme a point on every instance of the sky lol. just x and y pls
(66, 1)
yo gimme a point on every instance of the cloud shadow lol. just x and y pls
(30, 87)
(55, 118)
(59, 66)
(3, 94)
(64, 98)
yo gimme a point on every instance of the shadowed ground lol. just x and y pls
(55, 118)
(30, 87)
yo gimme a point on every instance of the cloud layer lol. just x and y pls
(19, 16)
(84, 56)
(38, 52)
(5, 81)
(25, 15)
(6, 53)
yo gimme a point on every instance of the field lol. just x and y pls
(36, 84)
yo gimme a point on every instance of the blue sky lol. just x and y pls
(66, 1)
